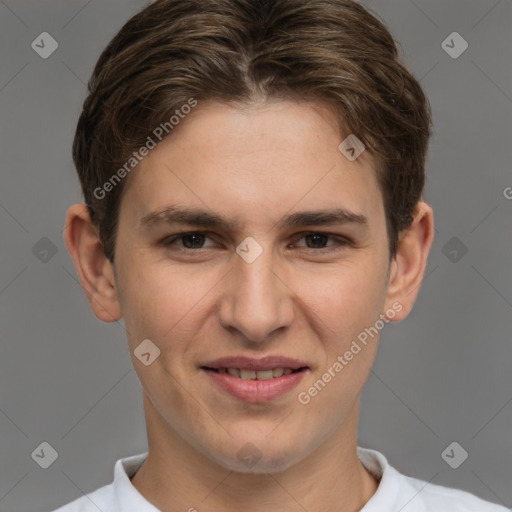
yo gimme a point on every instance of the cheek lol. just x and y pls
(346, 304)
(345, 300)
(160, 300)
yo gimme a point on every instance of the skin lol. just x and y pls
(253, 164)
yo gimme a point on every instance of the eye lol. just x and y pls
(318, 240)
(190, 240)
(194, 241)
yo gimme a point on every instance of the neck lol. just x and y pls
(176, 477)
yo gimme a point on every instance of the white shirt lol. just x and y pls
(395, 493)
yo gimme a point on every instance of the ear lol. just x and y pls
(95, 271)
(408, 265)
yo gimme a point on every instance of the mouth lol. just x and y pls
(255, 380)
(248, 374)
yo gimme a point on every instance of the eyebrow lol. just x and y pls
(205, 219)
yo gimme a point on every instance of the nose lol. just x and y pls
(256, 300)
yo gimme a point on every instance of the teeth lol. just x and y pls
(247, 374)
(277, 372)
(256, 375)
(264, 375)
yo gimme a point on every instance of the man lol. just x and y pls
(253, 174)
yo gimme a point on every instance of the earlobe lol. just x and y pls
(408, 266)
(94, 270)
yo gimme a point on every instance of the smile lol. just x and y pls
(255, 386)
(246, 374)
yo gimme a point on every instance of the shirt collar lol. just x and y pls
(390, 489)
(127, 497)
(395, 491)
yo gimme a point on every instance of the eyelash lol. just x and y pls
(340, 241)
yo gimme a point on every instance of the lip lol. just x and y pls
(251, 363)
(256, 391)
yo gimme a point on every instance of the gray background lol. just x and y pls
(442, 375)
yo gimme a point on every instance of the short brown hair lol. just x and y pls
(233, 51)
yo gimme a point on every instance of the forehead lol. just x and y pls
(253, 164)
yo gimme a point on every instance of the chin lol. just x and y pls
(253, 460)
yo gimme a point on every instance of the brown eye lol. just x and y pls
(188, 241)
(317, 241)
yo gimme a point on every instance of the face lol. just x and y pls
(272, 295)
